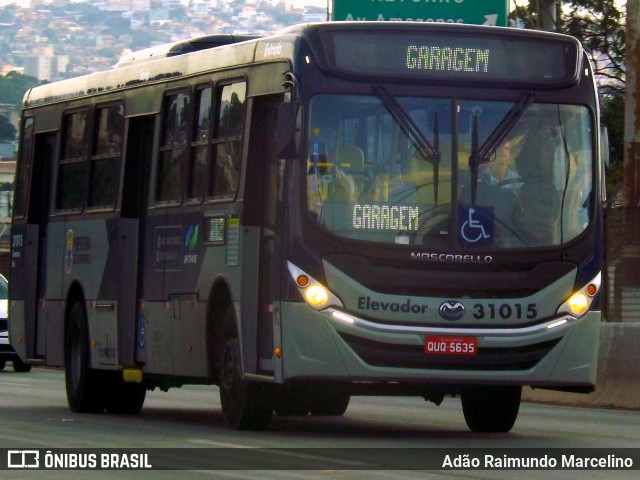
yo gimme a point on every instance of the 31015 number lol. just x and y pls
(504, 311)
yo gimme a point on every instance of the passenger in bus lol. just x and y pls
(538, 200)
(324, 133)
(349, 172)
(226, 175)
(170, 182)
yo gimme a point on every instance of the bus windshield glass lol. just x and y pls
(440, 172)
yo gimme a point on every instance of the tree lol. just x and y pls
(7, 130)
(598, 24)
(14, 85)
(600, 27)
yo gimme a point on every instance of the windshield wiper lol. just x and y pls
(485, 152)
(427, 151)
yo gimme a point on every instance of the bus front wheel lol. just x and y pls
(245, 405)
(330, 404)
(491, 409)
(85, 388)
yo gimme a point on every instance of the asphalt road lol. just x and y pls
(34, 415)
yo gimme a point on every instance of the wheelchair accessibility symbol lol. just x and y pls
(476, 225)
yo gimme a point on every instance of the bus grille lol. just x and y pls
(412, 356)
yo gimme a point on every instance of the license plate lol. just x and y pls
(439, 345)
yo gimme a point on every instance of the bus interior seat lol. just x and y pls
(349, 162)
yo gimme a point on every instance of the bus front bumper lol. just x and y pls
(331, 345)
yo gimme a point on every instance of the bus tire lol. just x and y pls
(330, 404)
(491, 409)
(85, 388)
(20, 366)
(245, 405)
(2, 364)
(124, 397)
(292, 402)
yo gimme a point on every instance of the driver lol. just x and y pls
(501, 168)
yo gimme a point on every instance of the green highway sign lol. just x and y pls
(479, 12)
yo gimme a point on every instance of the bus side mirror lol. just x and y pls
(286, 131)
(604, 145)
(604, 159)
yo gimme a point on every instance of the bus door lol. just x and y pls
(262, 207)
(170, 333)
(135, 190)
(35, 243)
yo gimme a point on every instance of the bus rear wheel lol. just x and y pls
(491, 409)
(123, 397)
(245, 405)
(85, 386)
(20, 366)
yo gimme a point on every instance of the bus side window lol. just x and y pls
(227, 140)
(199, 144)
(71, 173)
(104, 173)
(23, 174)
(173, 148)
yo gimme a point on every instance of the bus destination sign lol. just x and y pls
(425, 57)
(448, 55)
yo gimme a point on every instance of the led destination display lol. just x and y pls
(445, 54)
(385, 217)
(447, 59)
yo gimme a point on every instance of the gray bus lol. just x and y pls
(340, 209)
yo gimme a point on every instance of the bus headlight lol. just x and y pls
(314, 293)
(579, 302)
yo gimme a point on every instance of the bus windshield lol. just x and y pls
(440, 172)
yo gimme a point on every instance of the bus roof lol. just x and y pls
(201, 54)
(180, 48)
(165, 62)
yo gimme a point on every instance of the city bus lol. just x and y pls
(340, 209)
